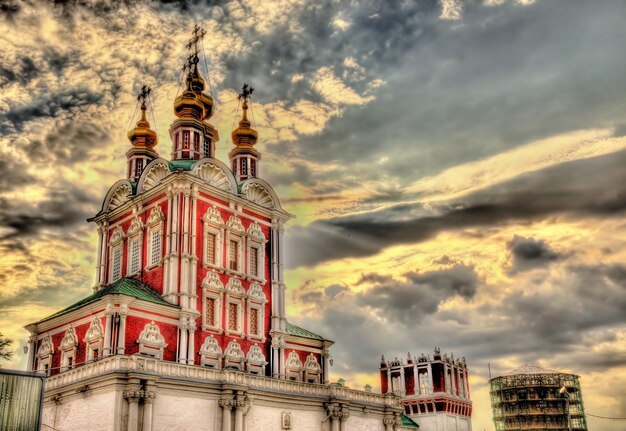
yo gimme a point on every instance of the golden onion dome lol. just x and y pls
(244, 137)
(142, 135)
(189, 104)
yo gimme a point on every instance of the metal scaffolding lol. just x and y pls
(533, 398)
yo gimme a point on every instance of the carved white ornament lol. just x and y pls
(214, 176)
(213, 216)
(120, 195)
(234, 286)
(255, 230)
(259, 195)
(151, 335)
(135, 226)
(256, 292)
(233, 352)
(256, 356)
(311, 364)
(154, 175)
(293, 361)
(212, 281)
(46, 347)
(95, 331)
(210, 347)
(70, 340)
(156, 216)
(117, 236)
(234, 223)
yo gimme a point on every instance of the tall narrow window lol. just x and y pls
(207, 148)
(233, 311)
(252, 168)
(185, 139)
(116, 264)
(234, 167)
(233, 257)
(244, 166)
(210, 311)
(196, 141)
(155, 247)
(135, 261)
(210, 248)
(254, 261)
(139, 167)
(254, 321)
(177, 140)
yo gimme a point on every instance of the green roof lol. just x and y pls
(184, 164)
(301, 332)
(407, 422)
(126, 286)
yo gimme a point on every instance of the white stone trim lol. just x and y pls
(94, 340)
(213, 288)
(155, 227)
(256, 300)
(151, 341)
(211, 353)
(68, 348)
(233, 356)
(213, 224)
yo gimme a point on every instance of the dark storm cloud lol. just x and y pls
(476, 90)
(530, 253)
(583, 188)
(69, 142)
(12, 174)
(49, 105)
(533, 324)
(64, 207)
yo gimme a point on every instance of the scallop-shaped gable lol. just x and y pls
(216, 174)
(153, 174)
(117, 195)
(260, 193)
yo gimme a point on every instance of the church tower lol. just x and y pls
(244, 158)
(143, 140)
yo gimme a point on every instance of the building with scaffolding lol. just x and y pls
(532, 397)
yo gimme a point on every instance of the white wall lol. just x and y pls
(91, 411)
(180, 413)
(268, 418)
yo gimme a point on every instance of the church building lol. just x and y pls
(186, 328)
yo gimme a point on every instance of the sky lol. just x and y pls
(456, 169)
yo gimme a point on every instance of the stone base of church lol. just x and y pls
(138, 393)
(442, 422)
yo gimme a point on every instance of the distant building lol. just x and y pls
(532, 397)
(187, 326)
(433, 392)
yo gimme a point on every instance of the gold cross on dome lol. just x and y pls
(246, 92)
(143, 95)
(198, 35)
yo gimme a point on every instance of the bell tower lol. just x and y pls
(192, 136)
(143, 140)
(244, 158)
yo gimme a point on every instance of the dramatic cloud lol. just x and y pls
(529, 253)
(590, 187)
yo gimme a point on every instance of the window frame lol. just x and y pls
(235, 294)
(213, 225)
(212, 288)
(256, 300)
(154, 225)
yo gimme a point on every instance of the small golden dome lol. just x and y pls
(142, 135)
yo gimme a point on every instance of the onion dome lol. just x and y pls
(244, 137)
(142, 136)
(198, 85)
(189, 104)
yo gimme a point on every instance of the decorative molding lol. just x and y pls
(121, 194)
(255, 293)
(212, 281)
(211, 353)
(254, 230)
(153, 175)
(70, 340)
(151, 341)
(234, 223)
(136, 226)
(233, 356)
(258, 194)
(255, 361)
(234, 287)
(116, 237)
(213, 216)
(46, 347)
(213, 175)
(156, 216)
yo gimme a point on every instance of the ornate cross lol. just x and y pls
(246, 92)
(198, 34)
(145, 92)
